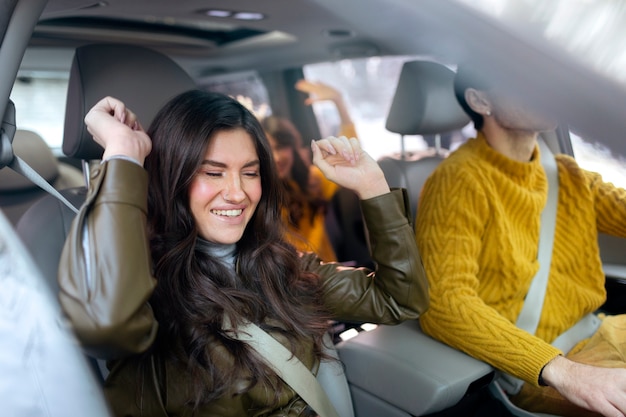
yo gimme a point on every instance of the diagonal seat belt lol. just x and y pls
(287, 366)
(528, 318)
(10, 160)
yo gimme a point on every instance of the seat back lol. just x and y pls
(428, 376)
(144, 80)
(17, 193)
(409, 174)
(423, 104)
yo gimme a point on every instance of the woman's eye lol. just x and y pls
(251, 174)
(212, 173)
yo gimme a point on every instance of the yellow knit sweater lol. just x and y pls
(478, 229)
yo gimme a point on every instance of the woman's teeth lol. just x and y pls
(228, 213)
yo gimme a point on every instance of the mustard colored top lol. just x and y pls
(478, 230)
(310, 235)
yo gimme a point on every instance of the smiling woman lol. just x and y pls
(212, 237)
(566, 56)
(225, 192)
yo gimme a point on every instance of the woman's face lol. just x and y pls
(227, 187)
(283, 157)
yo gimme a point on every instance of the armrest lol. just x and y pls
(404, 367)
(614, 271)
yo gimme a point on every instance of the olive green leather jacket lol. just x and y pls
(106, 282)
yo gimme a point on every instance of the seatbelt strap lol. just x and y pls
(528, 318)
(9, 159)
(21, 167)
(287, 366)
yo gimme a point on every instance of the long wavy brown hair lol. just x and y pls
(194, 290)
(298, 194)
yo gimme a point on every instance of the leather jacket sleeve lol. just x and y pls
(106, 299)
(398, 289)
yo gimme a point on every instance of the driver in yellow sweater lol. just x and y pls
(478, 231)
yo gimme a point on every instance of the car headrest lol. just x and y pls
(33, 150)
(424, 102)
(142, 78)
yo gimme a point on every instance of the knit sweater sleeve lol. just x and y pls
(453, 215)
(609, 201)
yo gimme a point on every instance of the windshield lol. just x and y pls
(592, 31)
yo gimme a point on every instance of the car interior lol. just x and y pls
(17, 192)
(146, 51)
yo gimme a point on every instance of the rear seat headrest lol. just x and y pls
(424, 102)
(142, 78)
(33, 150)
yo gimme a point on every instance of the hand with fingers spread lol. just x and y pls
(602, 390)
(343, 161)
(117, 130)
(317, 91)
(323, 92)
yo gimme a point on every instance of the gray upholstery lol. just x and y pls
(424, 101)
(424, 104)
(144, 80)
(407, 370)
(17, 193)
(413, 374)
(410, 175)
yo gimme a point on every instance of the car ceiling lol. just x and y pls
(292, 33)
(297, 32)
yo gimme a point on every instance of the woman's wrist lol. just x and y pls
(373, 190)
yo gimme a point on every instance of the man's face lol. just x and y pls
(510, 114)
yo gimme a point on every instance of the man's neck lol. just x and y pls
(517, 145)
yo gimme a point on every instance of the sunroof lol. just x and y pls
(218, 34)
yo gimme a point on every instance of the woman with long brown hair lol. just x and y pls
(159, 258)
(308, 190)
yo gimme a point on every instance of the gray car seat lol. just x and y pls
(398, 370)
(144, 80)
(424, 104)
(18, 193)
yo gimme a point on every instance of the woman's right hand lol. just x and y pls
(345, 163)
(117, 130)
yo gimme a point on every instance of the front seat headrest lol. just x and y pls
(142, 78)
(424, 102)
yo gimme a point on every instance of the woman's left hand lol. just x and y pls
(343, 161)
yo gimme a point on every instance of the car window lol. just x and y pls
(247, 87)
(592, 32)
(39, 99)
(593, 156)
(368, 86)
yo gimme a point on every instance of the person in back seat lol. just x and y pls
(308, 191)
(159, 257)
(478, 232)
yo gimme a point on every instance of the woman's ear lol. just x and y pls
(478, 101)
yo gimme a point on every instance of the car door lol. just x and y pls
(42, 370)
